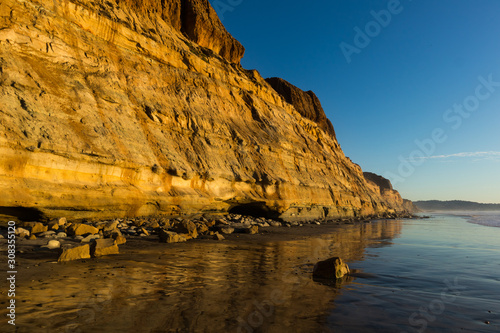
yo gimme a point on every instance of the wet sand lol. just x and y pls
(263, 283)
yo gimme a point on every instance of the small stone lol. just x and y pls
(222, 221)
(62, 221)
(218, 236)
(75, 253)
(90, 238)
(53, 244)
(32, 237)
(187, 227)
(53, 225)
(139, 223)
(119, 239)
(201, 228)
(226, 230)
(22, 233)
(61, 235)
(164, 222)
(154, 225)
(275, 224)
(35, 227)
(252, 230)
(111, 226)
(48, 233)
(170, 237)
(144, 232)
(317, 223)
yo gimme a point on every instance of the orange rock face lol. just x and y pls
(112, 109)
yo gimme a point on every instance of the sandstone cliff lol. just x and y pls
(121, 108)
(391, 197)
(306, 103)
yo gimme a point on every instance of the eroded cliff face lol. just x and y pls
(384, 188)
(115, 109)
(306, 103)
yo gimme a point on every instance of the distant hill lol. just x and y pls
(432, 205)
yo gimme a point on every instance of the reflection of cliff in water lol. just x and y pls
(198, 286)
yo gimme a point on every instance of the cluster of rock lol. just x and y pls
(180, 230)
(83, 240)
(75, 240)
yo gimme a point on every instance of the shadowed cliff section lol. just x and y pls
(306, 103)
(383, 183)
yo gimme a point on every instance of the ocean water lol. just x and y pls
(491, 219)
(439, 275)
(427, 275)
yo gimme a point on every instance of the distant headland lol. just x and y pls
(436, 205)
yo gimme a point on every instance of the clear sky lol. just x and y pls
(389, 74)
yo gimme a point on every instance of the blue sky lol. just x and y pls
(418, 69)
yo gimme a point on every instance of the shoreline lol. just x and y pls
(216, 286)
(50, 241)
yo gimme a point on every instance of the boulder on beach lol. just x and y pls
(201, 227)
(186, 227)
(252, 230)
(79, 229)
(110, 226)
(75, 253)
(226, 230)
(53, 244)
(35, 227)
(119, 238)
(103, 247)
(90, 238)
(22, 233)
(170, 237)
(333, 268)
(53, 225)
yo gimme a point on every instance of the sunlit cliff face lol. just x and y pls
(112, 111)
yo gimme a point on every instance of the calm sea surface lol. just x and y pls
(433, 275)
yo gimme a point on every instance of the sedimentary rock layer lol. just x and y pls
(123, 109)
(384, 187)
